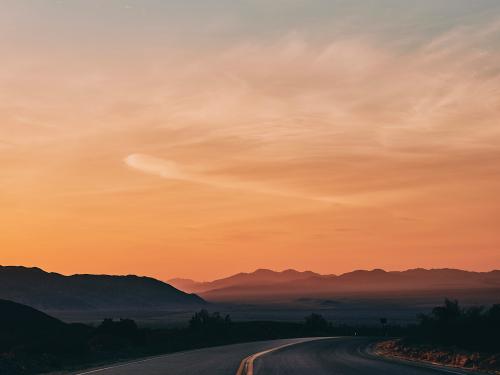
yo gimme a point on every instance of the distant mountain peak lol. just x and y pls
(262, 271)
(261, 276)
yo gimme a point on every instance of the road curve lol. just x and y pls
(219, 360)
(339, 356)
(310, 356)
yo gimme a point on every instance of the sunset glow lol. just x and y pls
(203, 138)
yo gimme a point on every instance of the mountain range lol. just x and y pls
(256, 278)
(117, 296)
(55, 292)
(268, 284)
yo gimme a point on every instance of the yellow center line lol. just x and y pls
(246, 365)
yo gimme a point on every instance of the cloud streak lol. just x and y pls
(172, 171)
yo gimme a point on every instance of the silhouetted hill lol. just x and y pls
(293, 284)
(259, 277)
(55, 292)
(16, 318)
(29, 339)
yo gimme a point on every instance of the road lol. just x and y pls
(338, 356)
(220, 360)
(332, 356)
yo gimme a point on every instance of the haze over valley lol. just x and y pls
(360, 296)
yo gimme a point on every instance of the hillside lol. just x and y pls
(17, 318)
(257, 278)
(55, 292)
(293, 284)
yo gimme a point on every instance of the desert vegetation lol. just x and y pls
(452, 335)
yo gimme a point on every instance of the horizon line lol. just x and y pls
(166, 280)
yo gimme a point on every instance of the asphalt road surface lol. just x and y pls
(338, 356)
(333, 356)
(219, 360)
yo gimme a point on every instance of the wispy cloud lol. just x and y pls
(170, 170)
(350, 117)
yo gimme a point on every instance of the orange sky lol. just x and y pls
(167, 152)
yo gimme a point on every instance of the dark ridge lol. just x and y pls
(56, 292)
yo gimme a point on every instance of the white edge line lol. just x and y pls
(120, 365)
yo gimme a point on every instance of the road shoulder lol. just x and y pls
(374, 351)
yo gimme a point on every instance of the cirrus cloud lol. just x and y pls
(168, 169)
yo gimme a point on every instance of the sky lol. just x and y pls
(203, 138)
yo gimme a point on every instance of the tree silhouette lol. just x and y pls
(316, 324)
(473, 328)
(203, 320)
